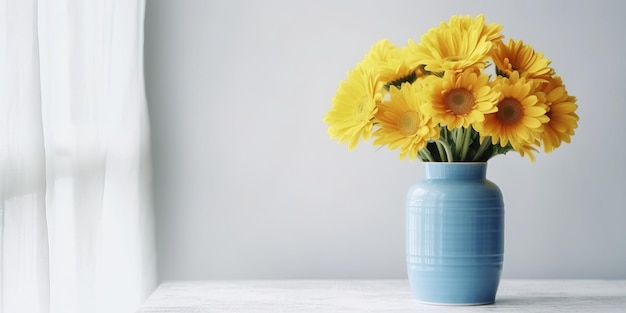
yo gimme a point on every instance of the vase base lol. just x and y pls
(455, 304)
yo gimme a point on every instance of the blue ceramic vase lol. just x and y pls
(454, 235)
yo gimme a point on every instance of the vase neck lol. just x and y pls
(453, 170)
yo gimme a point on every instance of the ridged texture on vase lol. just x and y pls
(454, 235)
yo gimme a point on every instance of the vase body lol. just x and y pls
(454, 235)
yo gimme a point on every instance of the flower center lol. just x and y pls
(361, 110)
(409, 123)
(456, 58)
(509, 111)
(459, 101)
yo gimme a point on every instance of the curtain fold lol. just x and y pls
(23, 230)
(76, 224)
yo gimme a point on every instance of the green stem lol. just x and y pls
(467, 135)
(425, 155)
(483, 147)
(458, 138)
(445, 133)
(446, 147)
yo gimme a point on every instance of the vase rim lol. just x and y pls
(466, 170)
(467, 163)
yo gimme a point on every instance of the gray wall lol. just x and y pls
(248, 185)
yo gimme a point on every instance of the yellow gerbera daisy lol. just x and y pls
(561, 111)
(402, 124)
(520, 116)
(516, 56)
(353, 107)
(491, 31)
(388, 61)
(461, 44)
(460, 99)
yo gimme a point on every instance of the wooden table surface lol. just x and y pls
(305, 296)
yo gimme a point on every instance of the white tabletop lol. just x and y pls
(304, 296)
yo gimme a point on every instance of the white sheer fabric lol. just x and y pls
(23, 234)
(76, 225)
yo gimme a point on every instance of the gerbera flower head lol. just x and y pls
(562, 113)
(491, 32)
(460, 44)
(401, 122)
(521, 114)
(388, 61)
(517, 56)
(354, 106)
(461, 99)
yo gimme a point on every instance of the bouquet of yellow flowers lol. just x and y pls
(435, 99)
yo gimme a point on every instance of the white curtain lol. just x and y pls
(76, 224)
